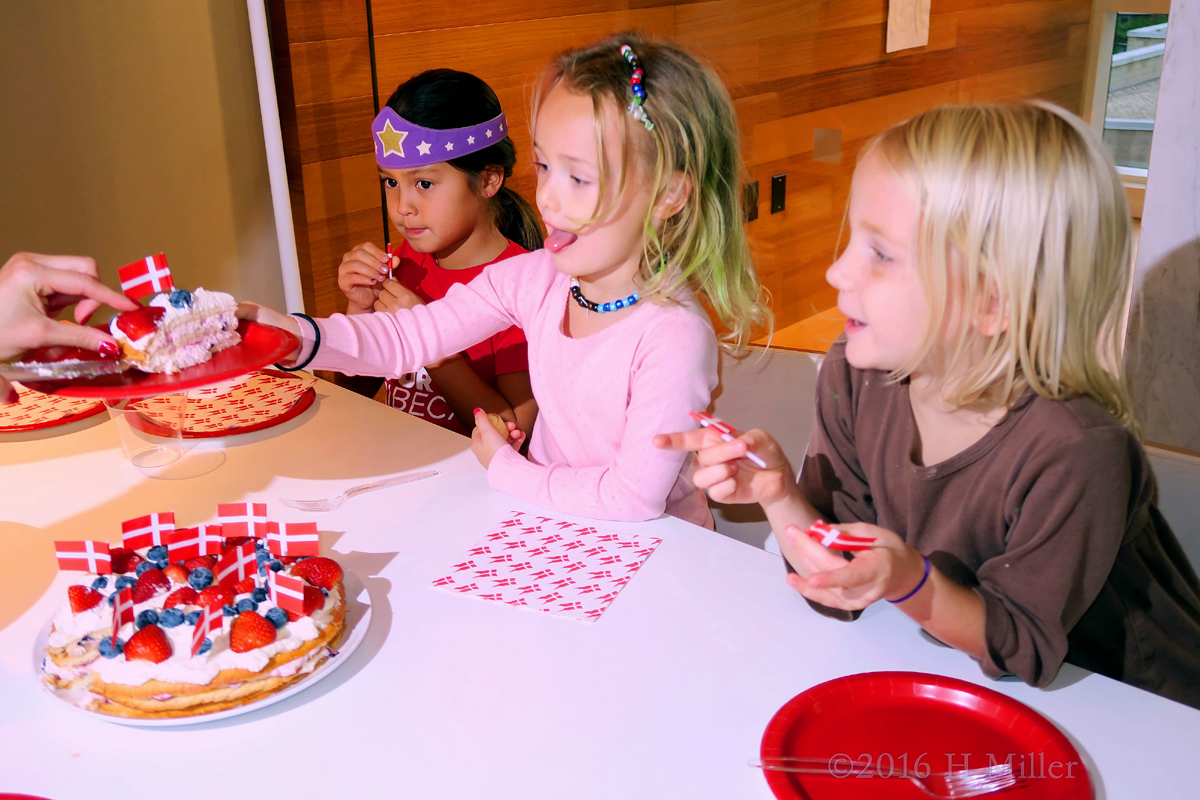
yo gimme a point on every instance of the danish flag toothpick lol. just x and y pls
(150, 275)
(185, 543)
(243, 519)
(286, 591)
(296, 539)
(726, 431)
(122, 611)
(147, 531)
(237, 563)
(212, 539)
(209, 623)
(825, 534)
(84, 557)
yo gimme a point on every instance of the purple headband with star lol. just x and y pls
(399, 144)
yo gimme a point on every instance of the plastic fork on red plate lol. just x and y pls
(825, 534)
(727, 433)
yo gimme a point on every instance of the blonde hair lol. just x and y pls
(695, 133)
(1021, 206)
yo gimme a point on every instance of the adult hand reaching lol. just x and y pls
(34, 288)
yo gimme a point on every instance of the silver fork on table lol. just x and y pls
(334, 503)
(943, 785)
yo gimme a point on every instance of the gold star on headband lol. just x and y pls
(392, 140)
(423, 148)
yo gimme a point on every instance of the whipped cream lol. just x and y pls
(185, 336)
(64, 673)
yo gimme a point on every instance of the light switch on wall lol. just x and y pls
(778, 193)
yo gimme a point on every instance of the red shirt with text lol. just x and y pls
(416, 393)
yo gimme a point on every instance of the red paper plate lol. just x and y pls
(302, 404)
(878, 721)
(261, 345)
(82, 411)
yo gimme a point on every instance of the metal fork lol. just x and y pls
(334, 503)
(956, 784)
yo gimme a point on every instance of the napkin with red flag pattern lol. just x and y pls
(550, 565)
(258, 398)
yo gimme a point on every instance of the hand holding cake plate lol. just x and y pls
(261, 346)
(179, 340)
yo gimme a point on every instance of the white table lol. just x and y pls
(667, 696)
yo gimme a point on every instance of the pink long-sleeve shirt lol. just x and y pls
(600, 399)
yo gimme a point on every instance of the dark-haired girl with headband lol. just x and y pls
(639, 184)
(456, 215)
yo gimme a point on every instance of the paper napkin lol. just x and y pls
(549, 565)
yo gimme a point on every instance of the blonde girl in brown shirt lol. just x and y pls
(975, 420)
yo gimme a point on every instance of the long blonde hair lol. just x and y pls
(695, 133)
(1021, 206)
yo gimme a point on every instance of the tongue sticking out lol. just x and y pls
(557, 240)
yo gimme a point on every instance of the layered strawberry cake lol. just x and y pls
(177, 330)
(252, 649)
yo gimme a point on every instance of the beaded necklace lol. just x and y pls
(600, 308)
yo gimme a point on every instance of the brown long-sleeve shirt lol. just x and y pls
(1051, 518)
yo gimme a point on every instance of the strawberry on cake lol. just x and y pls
(177, 330)
(251, 648)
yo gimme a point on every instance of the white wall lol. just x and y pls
(132, 126)
(1163, 350)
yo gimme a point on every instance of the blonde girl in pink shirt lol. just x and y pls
(639, 174)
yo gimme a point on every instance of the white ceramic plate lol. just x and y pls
(358, 620)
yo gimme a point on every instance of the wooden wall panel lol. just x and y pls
(415, 16)
(329, 240)
(502, 49)
(791, 66)
(340, 187)
(321, 20)
(334, 129)
(331, 70)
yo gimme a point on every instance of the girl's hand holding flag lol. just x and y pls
(887, 569)
(361, 274)
(724, 471)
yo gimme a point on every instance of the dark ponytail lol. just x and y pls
(446, 98)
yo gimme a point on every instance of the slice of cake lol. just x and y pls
(255, 650)
(179, 329)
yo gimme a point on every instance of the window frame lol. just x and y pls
(1095, 94)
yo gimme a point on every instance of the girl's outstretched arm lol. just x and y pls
(396, 343)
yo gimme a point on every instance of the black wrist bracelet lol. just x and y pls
(316, 344)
